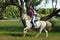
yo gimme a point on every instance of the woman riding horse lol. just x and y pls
(41, 25)
(31, 14)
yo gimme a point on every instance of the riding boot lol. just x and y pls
(33, 25)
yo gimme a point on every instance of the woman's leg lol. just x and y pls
(33, 19)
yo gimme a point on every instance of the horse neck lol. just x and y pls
(27, 17)
(28, 20)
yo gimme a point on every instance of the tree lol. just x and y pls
(53, 13)
(20, 5)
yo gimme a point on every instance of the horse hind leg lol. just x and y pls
(40, 31)
(49, 26)
(46, 33)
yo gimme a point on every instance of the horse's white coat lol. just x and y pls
(39, 24)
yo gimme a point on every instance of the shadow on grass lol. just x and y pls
(12, 29)
(21, 35)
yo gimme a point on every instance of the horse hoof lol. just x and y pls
(23, 36)
(36, 36)
(46, 37)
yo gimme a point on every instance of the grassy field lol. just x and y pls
(13, 30)
(11, 25)
(52, 36)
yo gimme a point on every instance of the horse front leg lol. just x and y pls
(25, 31)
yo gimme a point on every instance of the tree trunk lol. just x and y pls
(56, 3)
(27, 6)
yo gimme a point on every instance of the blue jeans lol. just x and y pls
(33, 19)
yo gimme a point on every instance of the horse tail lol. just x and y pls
(49, 26)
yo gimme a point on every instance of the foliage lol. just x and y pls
(36, 2)
(29, 3)
(11, 12)
(44, 12)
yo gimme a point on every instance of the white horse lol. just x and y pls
(41, 25)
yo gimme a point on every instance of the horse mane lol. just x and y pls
(27, 17)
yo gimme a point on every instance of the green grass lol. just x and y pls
(16, 26)
(52, 36)
(56, 25)
(7, 23)
(11, 25)
(13, 30)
